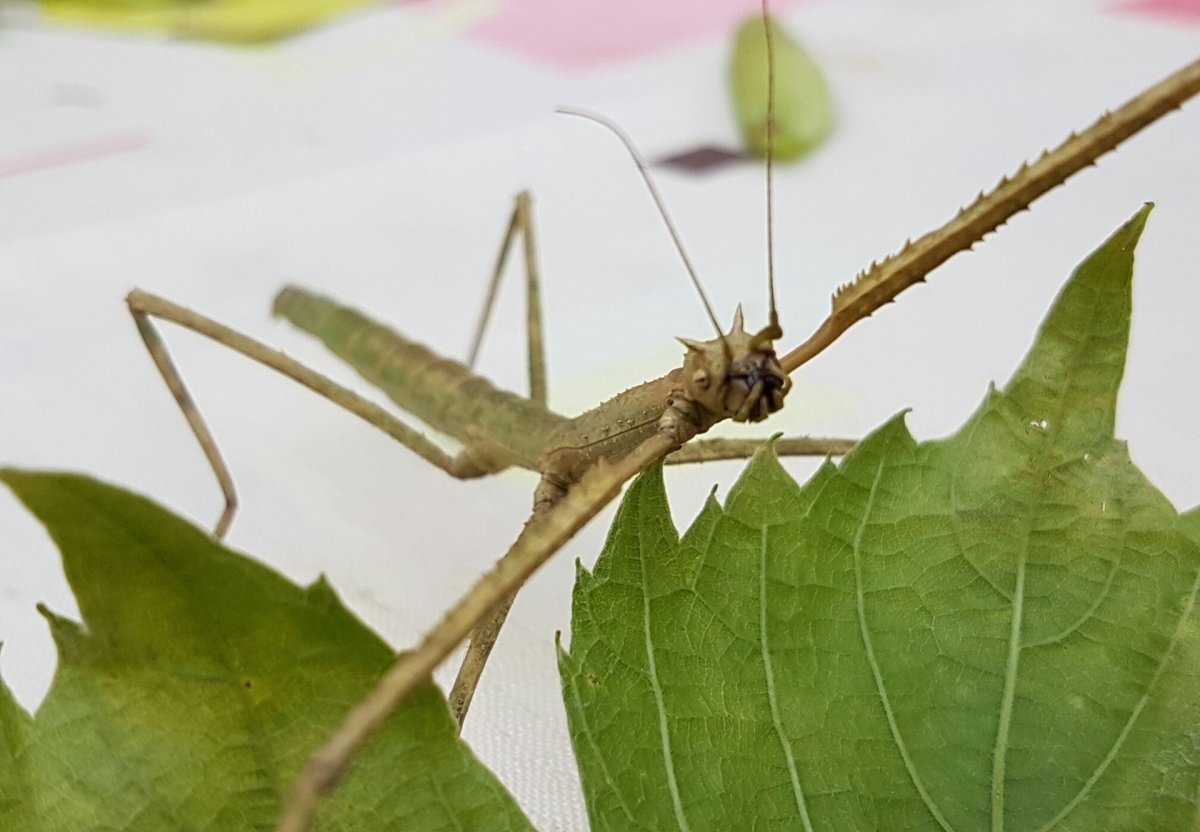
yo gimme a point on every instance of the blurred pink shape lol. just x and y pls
(74, 153)
(1180, 9)
(579, 35)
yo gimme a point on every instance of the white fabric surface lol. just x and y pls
(377, 160)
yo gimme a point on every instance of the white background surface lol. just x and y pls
(377, 160)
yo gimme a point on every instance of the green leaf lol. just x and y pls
(234, 21)
(803, 106)
(200, 682)
(996, 630)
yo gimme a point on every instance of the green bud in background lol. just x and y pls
(803, 108)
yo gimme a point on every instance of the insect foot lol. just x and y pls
(736, 376)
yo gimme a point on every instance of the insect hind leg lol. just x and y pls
(144, 307)
(170, 374)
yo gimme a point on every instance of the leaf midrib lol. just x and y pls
(1060, 404)
(769, 671)
(660, 706)
(876, 670)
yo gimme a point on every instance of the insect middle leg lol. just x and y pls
(483, 636)
(521, 222)
(711, 450)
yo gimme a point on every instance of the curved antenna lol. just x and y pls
(766, 17)
(644, 169)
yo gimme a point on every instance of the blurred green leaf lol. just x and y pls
(803, 106)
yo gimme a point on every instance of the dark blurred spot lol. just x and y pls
(703, 159)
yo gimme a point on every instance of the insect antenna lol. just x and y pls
(773, 329)
(644, 169)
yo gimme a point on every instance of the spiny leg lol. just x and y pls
(144, 306)
(483, 637)
(883, 281)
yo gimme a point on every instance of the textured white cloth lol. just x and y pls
(377, 160)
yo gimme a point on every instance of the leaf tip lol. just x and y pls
(14, 478)
(766, 450)
(63, 630)
(583, 575)
(1131, 231)
(321, 592)
(894, 430)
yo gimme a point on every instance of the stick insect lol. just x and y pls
(735, 375)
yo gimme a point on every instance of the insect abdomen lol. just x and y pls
(441, 392)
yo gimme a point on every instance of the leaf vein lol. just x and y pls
(1091, 610)
(1143, 700)
(955, 513)
(591, 741)
(876, 671)
(772, 695)
(656, 686)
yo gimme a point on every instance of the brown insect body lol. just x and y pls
(734, 376)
